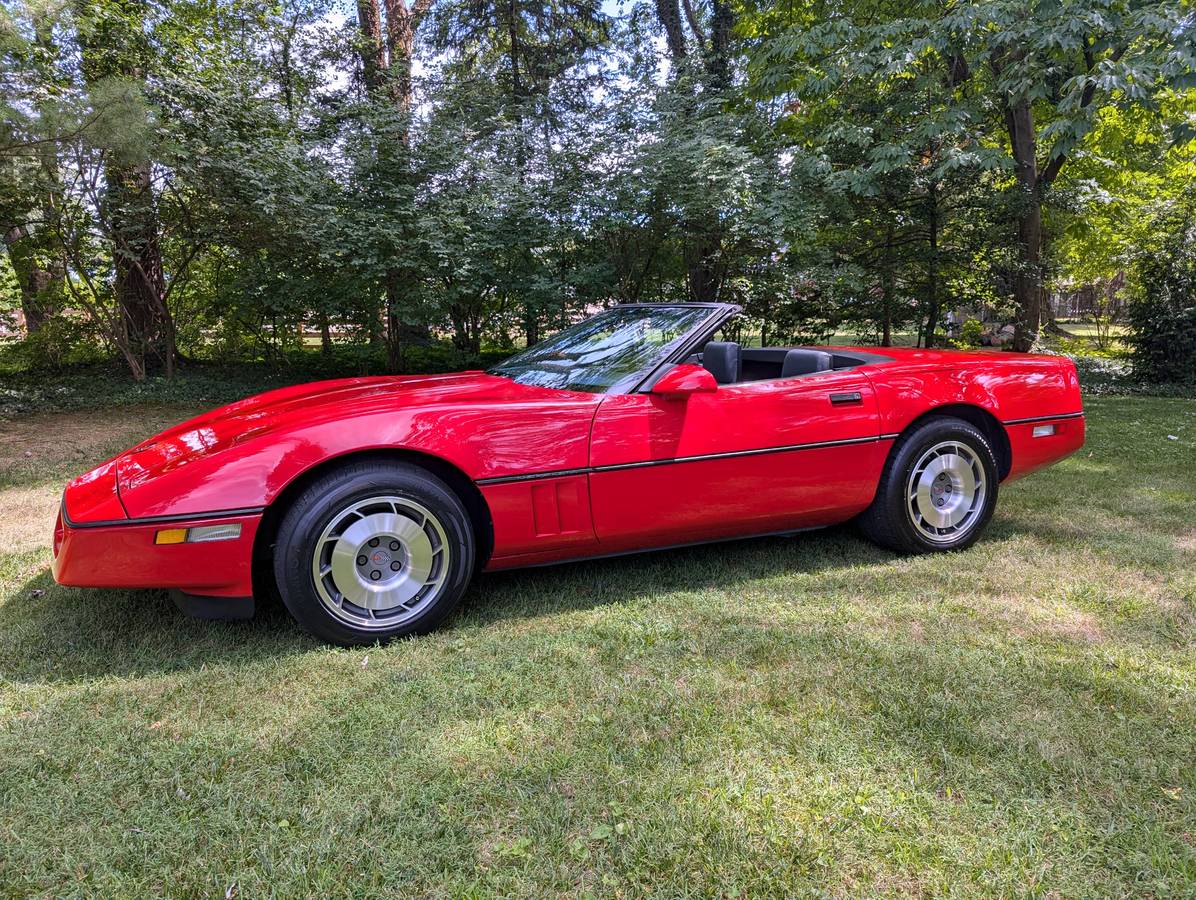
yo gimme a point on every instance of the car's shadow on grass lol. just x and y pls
(725, 565)
(51, 633)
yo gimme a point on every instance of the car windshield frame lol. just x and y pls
(560, 358)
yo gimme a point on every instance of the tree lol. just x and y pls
(208, 179)
(537, 55)
(1107, 201)
(1026, 78)
(116, 53)
(387, 54)
(29, 163)
(1163, 312)
(699, 93)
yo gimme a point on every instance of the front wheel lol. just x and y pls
(937, 491)
(373, 551)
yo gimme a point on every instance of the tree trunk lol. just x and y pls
(531, 315)
(36, 262)
(374, 329)
(373, 55)
(702, 252)
(669, 13)
(1047, 322)
(704, 238)
(325, 335)
(466, 328)
(113, 48)
(932, 269)
(1050, 324)
(400, 45)
(140, 284)
(394, 338)
(389, 62)
(41, 288)
(722, 25)
(46, 275)
(886, 290)
(531, 327)
(1027, 282)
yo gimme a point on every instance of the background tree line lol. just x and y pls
(188, 180)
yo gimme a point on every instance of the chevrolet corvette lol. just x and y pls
(368, 504)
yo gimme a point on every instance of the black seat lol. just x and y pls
(721, 359)
(803, 362)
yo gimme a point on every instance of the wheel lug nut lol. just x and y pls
(373, 542)
(361, 560)
(395, 566)
(394, 545)
(375, 575)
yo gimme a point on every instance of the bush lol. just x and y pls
(969, 335)
(1085, 347)
(1162, 317)
(61, 342)
(440, 357)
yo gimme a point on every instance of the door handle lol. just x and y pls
(846, 398)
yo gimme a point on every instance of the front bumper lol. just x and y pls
(124, 555)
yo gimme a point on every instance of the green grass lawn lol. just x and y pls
(1087, 328)
(808, 715)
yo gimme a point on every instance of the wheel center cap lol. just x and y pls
(380, 559)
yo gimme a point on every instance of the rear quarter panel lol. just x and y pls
(1020, 390)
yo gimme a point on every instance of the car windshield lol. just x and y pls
(610, 351)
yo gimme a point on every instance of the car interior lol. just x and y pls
(731, 363)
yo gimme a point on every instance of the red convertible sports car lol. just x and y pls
(369, 503)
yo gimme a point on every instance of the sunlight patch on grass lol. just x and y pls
(27, 520)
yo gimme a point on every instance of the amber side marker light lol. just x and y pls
(201, 534)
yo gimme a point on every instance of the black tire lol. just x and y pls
(421, 503)
(891, 520)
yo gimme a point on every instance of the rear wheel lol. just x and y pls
(374, 551)
(938, 489)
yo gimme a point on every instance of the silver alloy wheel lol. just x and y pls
(380, 562)
(945, 492)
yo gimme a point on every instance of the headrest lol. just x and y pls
(721, 359)
(803, 362)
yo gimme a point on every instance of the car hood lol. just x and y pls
(242, 456)
(303, 407)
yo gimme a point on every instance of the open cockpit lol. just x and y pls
(731, 363)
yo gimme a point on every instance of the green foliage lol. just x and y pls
(1162, 317)
(1134, 160)
(10, 291)
(89, 382)
(970, 332)
(846, 169)
(1086, 347)
(950, 102)
(1102, 375)
(61, 342)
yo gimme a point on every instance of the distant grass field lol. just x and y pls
(1087, 328)
(802, 716)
